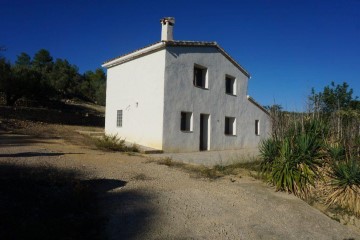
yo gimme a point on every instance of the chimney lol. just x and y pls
(167, 25)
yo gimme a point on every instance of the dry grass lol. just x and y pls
(250, 168)
(347, 198)
(113, 143)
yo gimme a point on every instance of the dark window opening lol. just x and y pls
(200, 77)
(230, 126)
(186, 121)
(257, 127)
(230, 85)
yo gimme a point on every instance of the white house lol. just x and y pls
(182, 96)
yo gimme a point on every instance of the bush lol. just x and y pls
(113, 143)
(336, 152)
(291, 164)
(344, 186)
(269, 151)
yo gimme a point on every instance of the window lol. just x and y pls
(230, 85)
(186, 121)
(257, 127)
(230, 126)
(200, 76)
(119, 118)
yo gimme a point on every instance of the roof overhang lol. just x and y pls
(257, 104)
(163, 44)
(130, 56)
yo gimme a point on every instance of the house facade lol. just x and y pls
(182, 96)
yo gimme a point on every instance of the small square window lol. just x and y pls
(230, 85)
(200, 76)
(186, 122)
(119, 118)
(257, 127)
(230, 126)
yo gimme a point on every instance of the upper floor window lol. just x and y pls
(230, 85)
(200, 76)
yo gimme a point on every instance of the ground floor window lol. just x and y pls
(230, 126)
(257, 127)
(186, 121)
(119, 118)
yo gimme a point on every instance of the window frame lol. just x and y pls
(186, 126)
(230, 126)
(232, 84)
(204, 76)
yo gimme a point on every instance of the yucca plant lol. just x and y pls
(336, 152)
(292, 163)
(344, 186)
(295, 169)
(269, 151)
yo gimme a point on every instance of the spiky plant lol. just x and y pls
(292, 163)
(336, 152)
(344, 186)
(269, 151)
(295, 169)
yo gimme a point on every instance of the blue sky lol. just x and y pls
(287, 46)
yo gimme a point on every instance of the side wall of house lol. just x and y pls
(182, 95)
(137, 88)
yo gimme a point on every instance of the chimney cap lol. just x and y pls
(170, 20)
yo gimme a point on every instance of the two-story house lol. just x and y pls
(182, 96)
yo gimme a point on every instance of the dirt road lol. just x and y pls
(158, 202)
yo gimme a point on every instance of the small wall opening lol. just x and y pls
(230, 126)
(186, 121)
(257, 127)
(230, 85)
(200, 76)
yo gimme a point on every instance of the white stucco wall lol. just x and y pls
(181, 95)
(137, 88)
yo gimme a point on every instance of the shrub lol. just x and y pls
(291, 163)
(345, 185)
(336, 152)
(113, 143)
(269, 151)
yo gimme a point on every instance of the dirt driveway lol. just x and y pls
(158, 202)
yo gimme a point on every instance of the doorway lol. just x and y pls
(204, 132)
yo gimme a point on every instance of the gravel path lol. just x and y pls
(158, 202)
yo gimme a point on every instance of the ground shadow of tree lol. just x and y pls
(64, 114)
(42, 202)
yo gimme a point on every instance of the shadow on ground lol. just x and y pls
(34, 154)
(42, 202)
(62, 114)
(19, 140)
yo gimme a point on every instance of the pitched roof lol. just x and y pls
(257, 104)
(162, 44)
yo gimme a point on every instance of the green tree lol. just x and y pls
(5, 77)
(94, 85)
(332, 98)
(23, 60)
(43, 61)
(64, 78)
